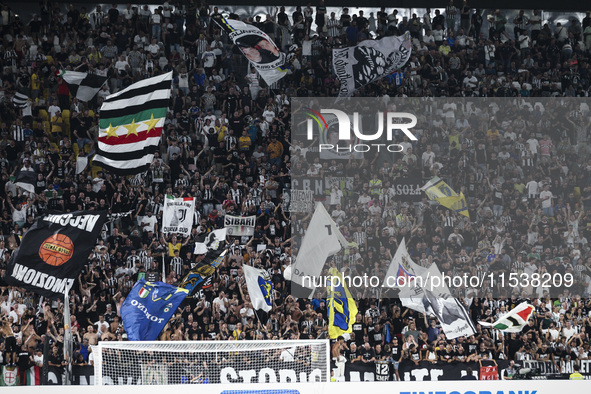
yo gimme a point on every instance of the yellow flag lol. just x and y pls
(341, 306)
(437, 190)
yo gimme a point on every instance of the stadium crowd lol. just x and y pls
(226, 142)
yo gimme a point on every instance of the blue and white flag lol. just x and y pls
(148, 307)
(260, 287)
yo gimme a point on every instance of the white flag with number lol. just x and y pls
(322, 239)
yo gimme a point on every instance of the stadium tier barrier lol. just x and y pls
(425, 387)
(540, 370)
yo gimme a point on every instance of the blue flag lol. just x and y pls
(148, 307)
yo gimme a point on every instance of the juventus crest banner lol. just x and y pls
(178, 215)
(54, 251)
(369, 61)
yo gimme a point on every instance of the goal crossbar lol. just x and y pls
(177, 362)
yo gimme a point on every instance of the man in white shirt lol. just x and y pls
(101, 326)
(53, 109)
(121, 64)
(269, 114)
(209, 60)
(568, 330)
(532, 188)
(246, 312)
(221, 302)
(535, 21)
(534, 144)
(153, 48)
(470, 81)
(338, 215)
(546, 197)
(429, 39)
(428, 158)
(149, 222)
(127, 12)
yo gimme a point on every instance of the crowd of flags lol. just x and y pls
(419, 288)
(130, 130)
(53, 252)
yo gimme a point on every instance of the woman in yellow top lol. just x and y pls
(244, 142)
(493, 134)
(35, 84)
(174, 245)
(57, 124)
(221, 130)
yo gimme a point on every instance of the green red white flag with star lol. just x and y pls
(130, 125)
(514, 321)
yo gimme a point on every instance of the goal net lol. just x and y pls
(197, 362)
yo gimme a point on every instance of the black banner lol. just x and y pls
(380, 371)
(82, 375)
(53, 252)
(563, 367)
(408, 371)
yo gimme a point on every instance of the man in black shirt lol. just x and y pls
(25, 360)
(353, 354)
(359, 328)
(375, 335)
(231, 102)
(56, 359)
(368, 355)
(544, 353)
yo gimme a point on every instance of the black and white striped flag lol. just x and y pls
(131, 125)
(20, 100)
(84, 86)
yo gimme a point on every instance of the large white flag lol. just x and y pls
(259, 49)
(177, 216)
(321, 240)
(438, 301)
(401, 275)
(260, 287)
(369, 61)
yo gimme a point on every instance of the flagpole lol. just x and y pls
(163, 269)
(260, 322)
(67, 337)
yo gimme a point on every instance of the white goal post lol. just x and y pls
(198, 362)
